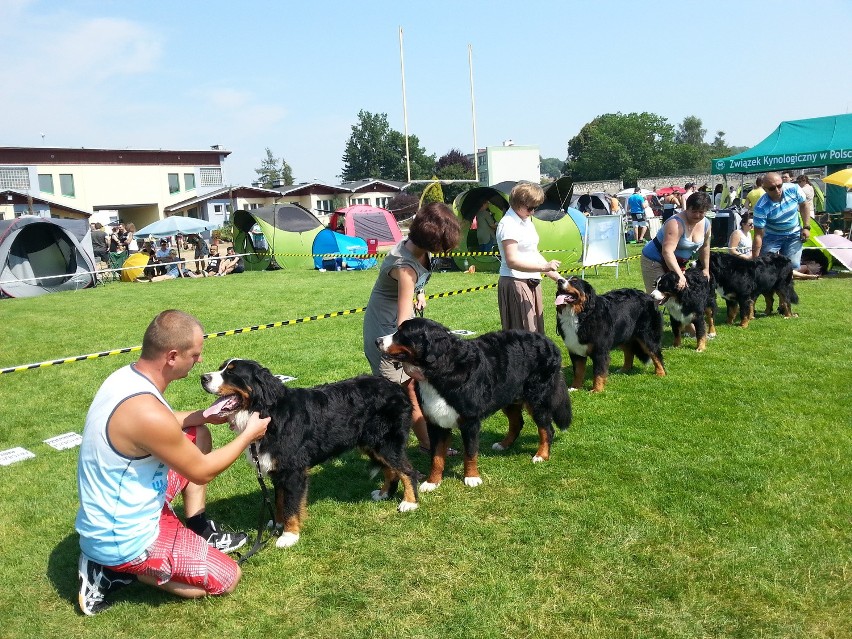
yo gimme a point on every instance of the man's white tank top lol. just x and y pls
(120, 497)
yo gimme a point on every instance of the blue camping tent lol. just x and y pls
(327, 241)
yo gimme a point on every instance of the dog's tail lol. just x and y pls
(561, 401)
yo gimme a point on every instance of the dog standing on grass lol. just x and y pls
(312, 425)
(461, 382)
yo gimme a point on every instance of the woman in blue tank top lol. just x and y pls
(682, 236)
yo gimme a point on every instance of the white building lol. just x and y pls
(508, 162)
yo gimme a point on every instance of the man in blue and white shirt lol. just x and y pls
(776, 220)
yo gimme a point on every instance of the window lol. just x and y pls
(253, 206)
(14, 178)
(360, 200)
(383, 202)
(174, 183)
(189, 181)
(66, 184)
(45, 183)
(325, 205)
(210, 176)
(218, 208)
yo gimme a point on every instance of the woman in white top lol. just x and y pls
(739, 243)
(521, 265)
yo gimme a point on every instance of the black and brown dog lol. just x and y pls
(461, 382)
(695, 304)
(592, 325)
(311, 425)
(740, 282)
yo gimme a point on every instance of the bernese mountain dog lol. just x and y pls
(461, 382)
(740, 282)
(311, 425)
(695, 304)
(592, 325)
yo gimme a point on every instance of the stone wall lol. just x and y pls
(605, 186)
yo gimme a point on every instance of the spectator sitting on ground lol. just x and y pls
(161, 256)
(232, 263)
(739, 243)
(174, 268)
(213, 262)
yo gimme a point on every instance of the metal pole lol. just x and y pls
(404, 107)
(473, 114)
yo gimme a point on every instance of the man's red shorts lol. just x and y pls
(179, 555)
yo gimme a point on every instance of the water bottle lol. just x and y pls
(466, 265)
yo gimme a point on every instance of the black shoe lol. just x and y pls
(224, 541)
(96, 581)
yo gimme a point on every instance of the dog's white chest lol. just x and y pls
(239, 421)
(676, 311)
(435, 407)
(569, 323)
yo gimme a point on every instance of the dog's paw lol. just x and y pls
(472, 482)
(378, 495)
(428, 487)
(287, 539)
(497, 446)
(407, 506)
(537, 458)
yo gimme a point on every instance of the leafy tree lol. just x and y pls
(454, 165)
(455, 157)
(403, 205)
(690, 131)
(622, 146)
(374, 150)
(272, 170)
(551, 167)
(432, 193)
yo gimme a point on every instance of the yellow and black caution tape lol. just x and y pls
(261, 327)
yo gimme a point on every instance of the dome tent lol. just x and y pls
(558, 227)
(41, 255)
(288, 232)
(368, 223)
(327, 241)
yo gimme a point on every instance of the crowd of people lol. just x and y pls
(113, 247)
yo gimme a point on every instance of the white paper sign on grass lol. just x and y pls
(462, 331)
(13, 455)
(285, 378)
(64, 442)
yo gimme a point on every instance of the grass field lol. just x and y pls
(714, 502)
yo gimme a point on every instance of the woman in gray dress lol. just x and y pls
(402, 277)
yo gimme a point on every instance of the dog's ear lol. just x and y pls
(265, 390)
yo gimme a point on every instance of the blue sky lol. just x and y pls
(293, 76)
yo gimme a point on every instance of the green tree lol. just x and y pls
(690, 131)
(272, 169)
(432, 193)
(551, 167)
(374, 150)
(622, 146)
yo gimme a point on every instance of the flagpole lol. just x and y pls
(404, 106)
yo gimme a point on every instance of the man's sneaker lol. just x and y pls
(224, 541)
(96, 581)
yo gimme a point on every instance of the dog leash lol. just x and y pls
(265, 507)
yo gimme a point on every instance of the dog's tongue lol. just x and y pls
(561, 300)
(221, 405)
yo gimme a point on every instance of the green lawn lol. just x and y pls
(714, 502)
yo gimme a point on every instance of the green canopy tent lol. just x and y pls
(281, 234)
(799, 144)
